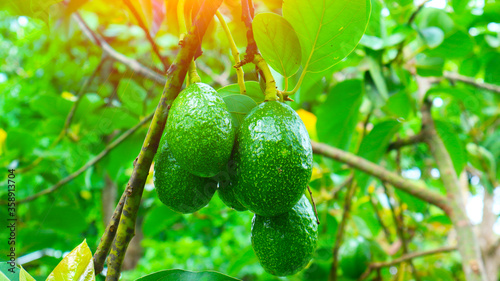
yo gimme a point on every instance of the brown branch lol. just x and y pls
(314, 204)
(340, 230)
(411, 256)
(175, 78)
(134, 65)
(247, 12)
(405, 142)
(143, 26)
(471, 81)
(416, 189)
(108, 236)
(89, 164)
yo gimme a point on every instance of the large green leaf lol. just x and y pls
(328, 30)
(131, 95)
(252, 90)
(338, 115)
(159, 219)
(374, 145)
(399, 105)
(77, 265)
(183, 275)
(457, 45)
(453, 145)
(278, 43)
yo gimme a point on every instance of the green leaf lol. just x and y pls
(278, 43)
(453, 145)
(433, 36)
(158, 219)
(377, 75)
(64, 219)
(483, 160)
(362, 227)
(399, 105)
(239, 106)
(183, 275)
(338, 115)
(77, 265)
(374, 145)
(252, 90)
(457, 45)
(429, 66)
(21, 141)
(328, 30)
(435, 17)
(131, 95)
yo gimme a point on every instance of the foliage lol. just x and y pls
(357, 97)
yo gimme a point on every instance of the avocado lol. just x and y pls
(273, 157)
(354, 256)
(200, 130)
(177, 188)
(227, 179)
(284, 244)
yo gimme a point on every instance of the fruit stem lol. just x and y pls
(234, 51)
(192, 74)
(271, 94)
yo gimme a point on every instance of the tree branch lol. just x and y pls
(405, 142)
(416, 189)
(471, 81)
(175, 77)
(89, 164)
(247, 12)
(375, 204)
(411, 256)
(108, 236)
(108, 50)
(468, 246)
(142, 25)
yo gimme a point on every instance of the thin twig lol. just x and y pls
(418, 138)
(471, 81)
(415, 188)
(374, 204)
(89, 164)
(108, 236)
(134, 65)
(143, 26)
(314, 204)
(340, 230)
(247, 12)
(343, 184)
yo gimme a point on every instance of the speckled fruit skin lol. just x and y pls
(274, 159)
(354, 256)
(200, 131)
(178, 189)
(227, 179)
(284, 244)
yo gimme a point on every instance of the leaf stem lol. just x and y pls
(270, 93)
(234, 51)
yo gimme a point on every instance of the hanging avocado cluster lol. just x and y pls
(266, 172)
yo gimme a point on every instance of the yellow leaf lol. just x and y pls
(25, 276)
(85, 194)
(77, 265)
(309, 120)
(3, 137)
(68, 96)
(371, 188)
(317, 173)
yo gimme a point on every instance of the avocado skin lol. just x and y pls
(274, 159)
(200, 130)
(178, 189)
(227, 179)
(284, 244)
(354, 256)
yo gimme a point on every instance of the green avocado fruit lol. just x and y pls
(227, 179)
(177, 188)
(354, 256)
(284, 244)
(273, 157)
(200, 130)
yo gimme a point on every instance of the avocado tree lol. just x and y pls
(250, 140)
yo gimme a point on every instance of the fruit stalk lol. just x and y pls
(176, 74)
(270, 93)
(234, 51)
